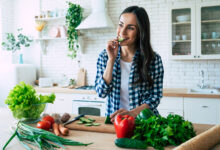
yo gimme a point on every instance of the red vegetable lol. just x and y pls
(124, 126)
(46, 125)
(48, 118)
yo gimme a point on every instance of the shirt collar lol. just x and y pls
(136, 55)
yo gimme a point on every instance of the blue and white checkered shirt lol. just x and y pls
(138, 93)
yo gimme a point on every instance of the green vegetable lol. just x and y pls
(88, 121)
(79, 122)
(120, 39)
(130, 143)
(108, 120)
(96, 124)
(145, 114)
(25, 103)
(159, 132)
(85, 120)
(88, 124)
(40, 138)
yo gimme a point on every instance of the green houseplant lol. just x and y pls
(14, 42)
(73, 19)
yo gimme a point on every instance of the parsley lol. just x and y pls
(159, 132)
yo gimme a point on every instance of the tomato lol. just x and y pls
(48, 118)
(46, 125)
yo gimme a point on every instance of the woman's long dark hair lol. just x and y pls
(143, 43)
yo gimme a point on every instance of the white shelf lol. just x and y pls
(180, 41)
(210, 21)
(182, 23)
(210, 40)
(50, 19)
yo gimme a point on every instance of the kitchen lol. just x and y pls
(181, 72)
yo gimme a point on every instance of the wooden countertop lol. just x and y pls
(167, 92)
(101, 140)
(56, 89)
(182, 92)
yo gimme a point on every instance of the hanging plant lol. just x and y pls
(73, 19)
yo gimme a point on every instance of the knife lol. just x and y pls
(76, 118)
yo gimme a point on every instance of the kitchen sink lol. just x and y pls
(203, 91)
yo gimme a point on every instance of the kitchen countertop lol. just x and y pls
(101, 140)
(167, 92)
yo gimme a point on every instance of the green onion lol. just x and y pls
(40, 138)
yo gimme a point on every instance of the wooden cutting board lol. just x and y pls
(81, 77)
(103, 128)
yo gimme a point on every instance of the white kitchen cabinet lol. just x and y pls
(194, 30)
(171, 105)
(62, 103)
(202, 110)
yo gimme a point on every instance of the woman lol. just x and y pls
(129, 72)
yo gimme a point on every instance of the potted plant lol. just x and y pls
(73, 19)
(13, 42)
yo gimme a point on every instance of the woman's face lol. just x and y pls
(127, 29)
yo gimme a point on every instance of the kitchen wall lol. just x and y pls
(177, 73)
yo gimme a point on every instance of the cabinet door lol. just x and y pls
(171, 105)
(182, 31)
(62, 104)
(201, 110)
(208, 17)
(166, 112)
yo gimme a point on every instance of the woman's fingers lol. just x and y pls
(116, 113)
(112, 44)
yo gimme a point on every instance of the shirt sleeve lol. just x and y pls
(156, 92)
(101, 87)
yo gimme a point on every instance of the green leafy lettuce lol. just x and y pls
(24, 102)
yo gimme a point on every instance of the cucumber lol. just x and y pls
(96, 124)
(108, 120)
(88, 124)
(85, 120)
(120, 39)
(130, 143)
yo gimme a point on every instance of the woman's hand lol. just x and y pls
(123, 112)
(112, 49)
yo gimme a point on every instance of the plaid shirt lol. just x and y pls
(138, 94)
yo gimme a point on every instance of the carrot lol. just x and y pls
(55, 127)
(64, 131)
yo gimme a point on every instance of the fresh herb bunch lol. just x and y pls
(40, 138)
(159, 132)
(14, 43)
(73, 19)
(25, 103)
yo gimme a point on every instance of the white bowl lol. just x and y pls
(182, 18)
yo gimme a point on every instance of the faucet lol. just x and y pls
(202, 85)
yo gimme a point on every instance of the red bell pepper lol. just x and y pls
(124, 126)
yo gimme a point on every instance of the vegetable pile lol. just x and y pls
(159, 132)
(25, 103)
(40, 138)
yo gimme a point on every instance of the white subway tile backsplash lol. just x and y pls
(177, 73)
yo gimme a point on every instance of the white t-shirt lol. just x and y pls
(124, 94)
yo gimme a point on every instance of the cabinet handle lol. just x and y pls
(198, 56)
(171, 113)
(194, 56)
(205, 106)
